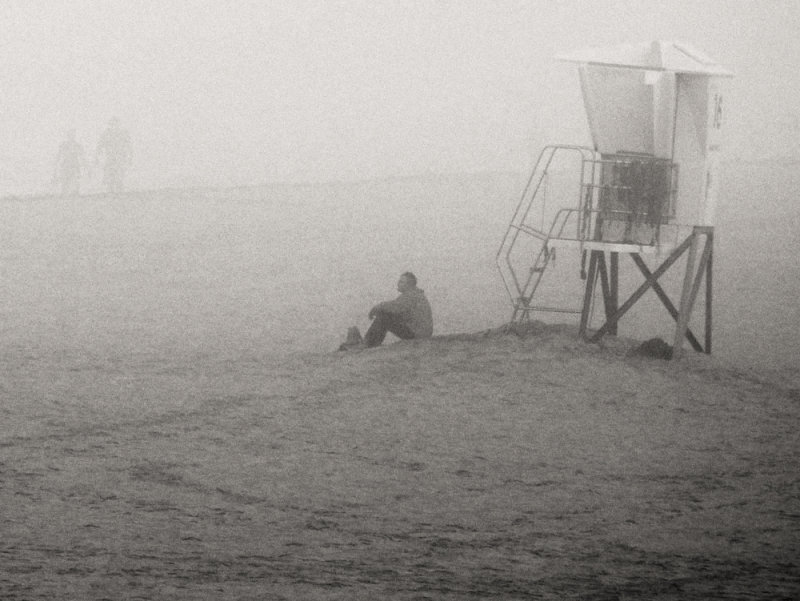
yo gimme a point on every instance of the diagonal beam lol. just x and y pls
(614, 284)
(612, 321)
(665, 300)
(709, 290)
(604, 285)
(588, 291)
(686, 308)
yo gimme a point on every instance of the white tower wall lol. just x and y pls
(660, 99)
(697, 148)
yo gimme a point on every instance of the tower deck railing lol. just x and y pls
(625, 203)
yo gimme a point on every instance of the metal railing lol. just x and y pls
(625, 196)
(520, 220)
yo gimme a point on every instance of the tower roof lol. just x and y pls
(678, 57)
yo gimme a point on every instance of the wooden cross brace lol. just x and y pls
(691, 285)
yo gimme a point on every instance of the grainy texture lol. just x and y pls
(513, 466)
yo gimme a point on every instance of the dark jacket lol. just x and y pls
(414, 309)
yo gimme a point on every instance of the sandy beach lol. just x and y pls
(199, 200)
(526, 465)
(175, 422)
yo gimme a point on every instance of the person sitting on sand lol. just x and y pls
(408, 316)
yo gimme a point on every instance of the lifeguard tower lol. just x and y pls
(647, 188)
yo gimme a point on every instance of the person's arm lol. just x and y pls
(102, 148)
(127, 150)
(86, 167)
(57, 170)
(398, 306)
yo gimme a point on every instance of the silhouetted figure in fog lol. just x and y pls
(408, 316)
(114, 148)
(70, 163)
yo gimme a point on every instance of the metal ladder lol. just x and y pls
(521, 289)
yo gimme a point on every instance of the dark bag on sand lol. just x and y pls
(655, 348)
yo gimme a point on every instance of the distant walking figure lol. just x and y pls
(70, 163)
(408, 316)
(114, 148)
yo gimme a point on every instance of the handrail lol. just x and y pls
(529, 195)
(583, 150)
(618, 214)
(619, 195)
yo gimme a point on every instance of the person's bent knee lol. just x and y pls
(384, 315)
(394, 323)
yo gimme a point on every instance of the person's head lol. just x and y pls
(407, 281)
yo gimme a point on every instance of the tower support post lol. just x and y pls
(691, 285)
(591, 277)
(612, 303)
(698, 265)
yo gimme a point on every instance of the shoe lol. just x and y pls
(353, 339)
(353, 336)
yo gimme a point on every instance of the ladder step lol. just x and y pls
(521, 305)
(554, 309)
(531, 231)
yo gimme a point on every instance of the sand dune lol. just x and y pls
(514, 466)
(174, 422)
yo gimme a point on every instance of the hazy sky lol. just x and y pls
(246, 92)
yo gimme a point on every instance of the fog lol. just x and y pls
(175, 420)
(250, 92)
